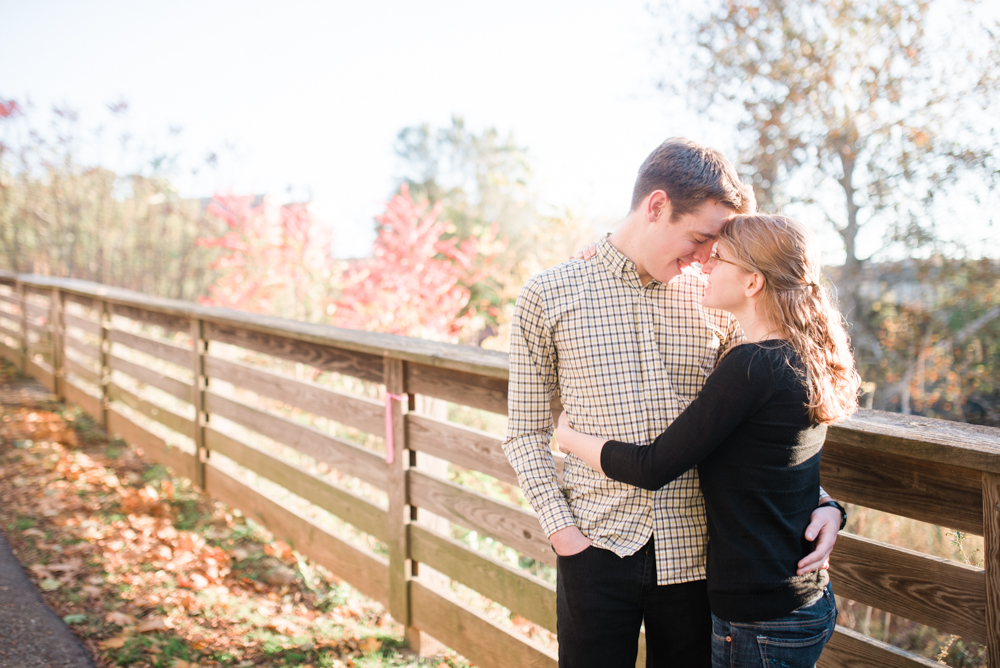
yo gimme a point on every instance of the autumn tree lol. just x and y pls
(867, 111)
(63, 216)
(483, 179)
(275, 259)
(419, 281)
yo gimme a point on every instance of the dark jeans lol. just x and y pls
(793, 641)
(603, 599)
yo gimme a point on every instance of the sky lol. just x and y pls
(311, 95)
(303, 100)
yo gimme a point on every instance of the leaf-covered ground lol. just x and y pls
(151, 573)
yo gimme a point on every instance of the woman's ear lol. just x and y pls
(753, 285)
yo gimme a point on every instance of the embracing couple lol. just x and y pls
(696, 404)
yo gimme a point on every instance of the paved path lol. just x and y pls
(31, 634)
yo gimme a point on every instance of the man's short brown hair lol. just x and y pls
(692, 174)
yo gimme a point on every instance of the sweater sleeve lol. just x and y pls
(741, 384)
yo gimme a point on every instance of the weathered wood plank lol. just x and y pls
(327, 358)
(432, 353)
(365, 571)
(472, 634)
(12, 333)
(460, 445)
(942, 441)
(850, 649)
(171, 323)
(57, 306)
(74, 367)
(178, 388)
(460, 387)
(85, 348)
(991, 560)
(36, 310)
(506, 523)
(930, 492)
(13, 318)
(166, 351)
(169, 419)
(82, 300)
(399, 510)
(10, 354)
(199, 386)
(354, 411)
(528, 596)
(42, 373)
(151, 445)
(339, 454)
(359, 512)
(42, 330)
(89, 404)
(11, 299)
(944, 594)
(82, 323)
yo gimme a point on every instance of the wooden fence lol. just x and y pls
(101, 349)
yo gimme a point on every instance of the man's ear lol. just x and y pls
(754, 284)
(657, 204)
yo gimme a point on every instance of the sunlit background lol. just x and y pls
(312, 124)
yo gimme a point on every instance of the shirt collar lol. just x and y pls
(616, 263)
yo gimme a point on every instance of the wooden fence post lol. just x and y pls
(991, 562)
(23, 316)
(399, 511)
(104, 315)
(58, 366)
(199, 385)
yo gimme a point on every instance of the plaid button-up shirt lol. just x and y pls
(625, 360)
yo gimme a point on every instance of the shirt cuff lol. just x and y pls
(555, 517)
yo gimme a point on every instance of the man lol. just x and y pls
(623, 341)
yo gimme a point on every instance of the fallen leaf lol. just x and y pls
(153, 624)
(114, 643)
(283, 626)
(75, 619)
(119, 618)
(369, 645)
(49, 584)
(91, 591)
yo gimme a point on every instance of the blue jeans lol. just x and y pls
(793, 641)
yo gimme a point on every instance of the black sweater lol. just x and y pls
(757, 453)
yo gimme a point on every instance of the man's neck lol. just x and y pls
(627, 239)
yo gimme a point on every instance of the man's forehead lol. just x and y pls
(710, 221)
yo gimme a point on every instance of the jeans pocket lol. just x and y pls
(788, 649)
(798, 639)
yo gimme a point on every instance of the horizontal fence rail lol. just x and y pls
(234, 402)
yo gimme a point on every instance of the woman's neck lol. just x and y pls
(755, 327)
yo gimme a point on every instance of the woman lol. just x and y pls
(755, 432)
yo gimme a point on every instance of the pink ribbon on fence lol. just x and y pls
(390, 447)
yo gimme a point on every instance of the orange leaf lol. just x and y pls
(119, 618)
(114, 643)
(369, 645)
(153, 624)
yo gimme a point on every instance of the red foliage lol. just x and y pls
(269, 254)
(8, 108)
(418, 283)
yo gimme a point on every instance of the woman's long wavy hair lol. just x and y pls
(794, 300)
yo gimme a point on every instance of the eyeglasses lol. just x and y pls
(715, 258)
